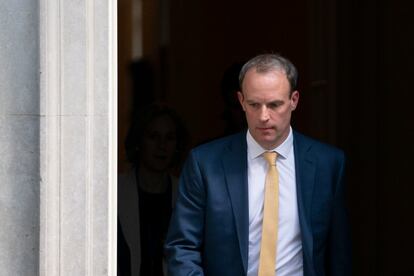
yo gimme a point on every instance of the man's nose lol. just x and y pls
(264, 114)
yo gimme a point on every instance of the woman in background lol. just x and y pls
(146, 194)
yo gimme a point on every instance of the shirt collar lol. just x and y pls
(254, 150)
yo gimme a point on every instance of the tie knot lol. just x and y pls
(270, 157)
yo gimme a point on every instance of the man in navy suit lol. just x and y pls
(216, 228)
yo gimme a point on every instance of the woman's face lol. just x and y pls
(159, 144)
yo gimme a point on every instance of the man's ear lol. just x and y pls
(294, 100)
(241, 99)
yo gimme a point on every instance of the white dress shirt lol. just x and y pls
(289, 260)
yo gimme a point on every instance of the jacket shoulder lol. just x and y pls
(312, 145)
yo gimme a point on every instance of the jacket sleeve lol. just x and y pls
(339, 241)
(184, 242)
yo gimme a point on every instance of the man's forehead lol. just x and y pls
(252, 74)
(265, 78)
(263, 98)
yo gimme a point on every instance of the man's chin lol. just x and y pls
(266, 142)
(268, 136)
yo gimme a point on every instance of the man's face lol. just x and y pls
(266, 100)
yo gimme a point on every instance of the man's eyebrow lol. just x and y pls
(276, 102)
(271, 102)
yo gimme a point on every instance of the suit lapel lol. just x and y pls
(235, 168)
(305, 167)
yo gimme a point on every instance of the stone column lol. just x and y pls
(78, 137)
(58, 137)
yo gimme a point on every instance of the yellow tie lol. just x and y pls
(267, 263)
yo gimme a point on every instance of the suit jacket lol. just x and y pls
(208, 234)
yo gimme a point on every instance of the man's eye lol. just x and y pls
(274, 105)
(255, 105)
